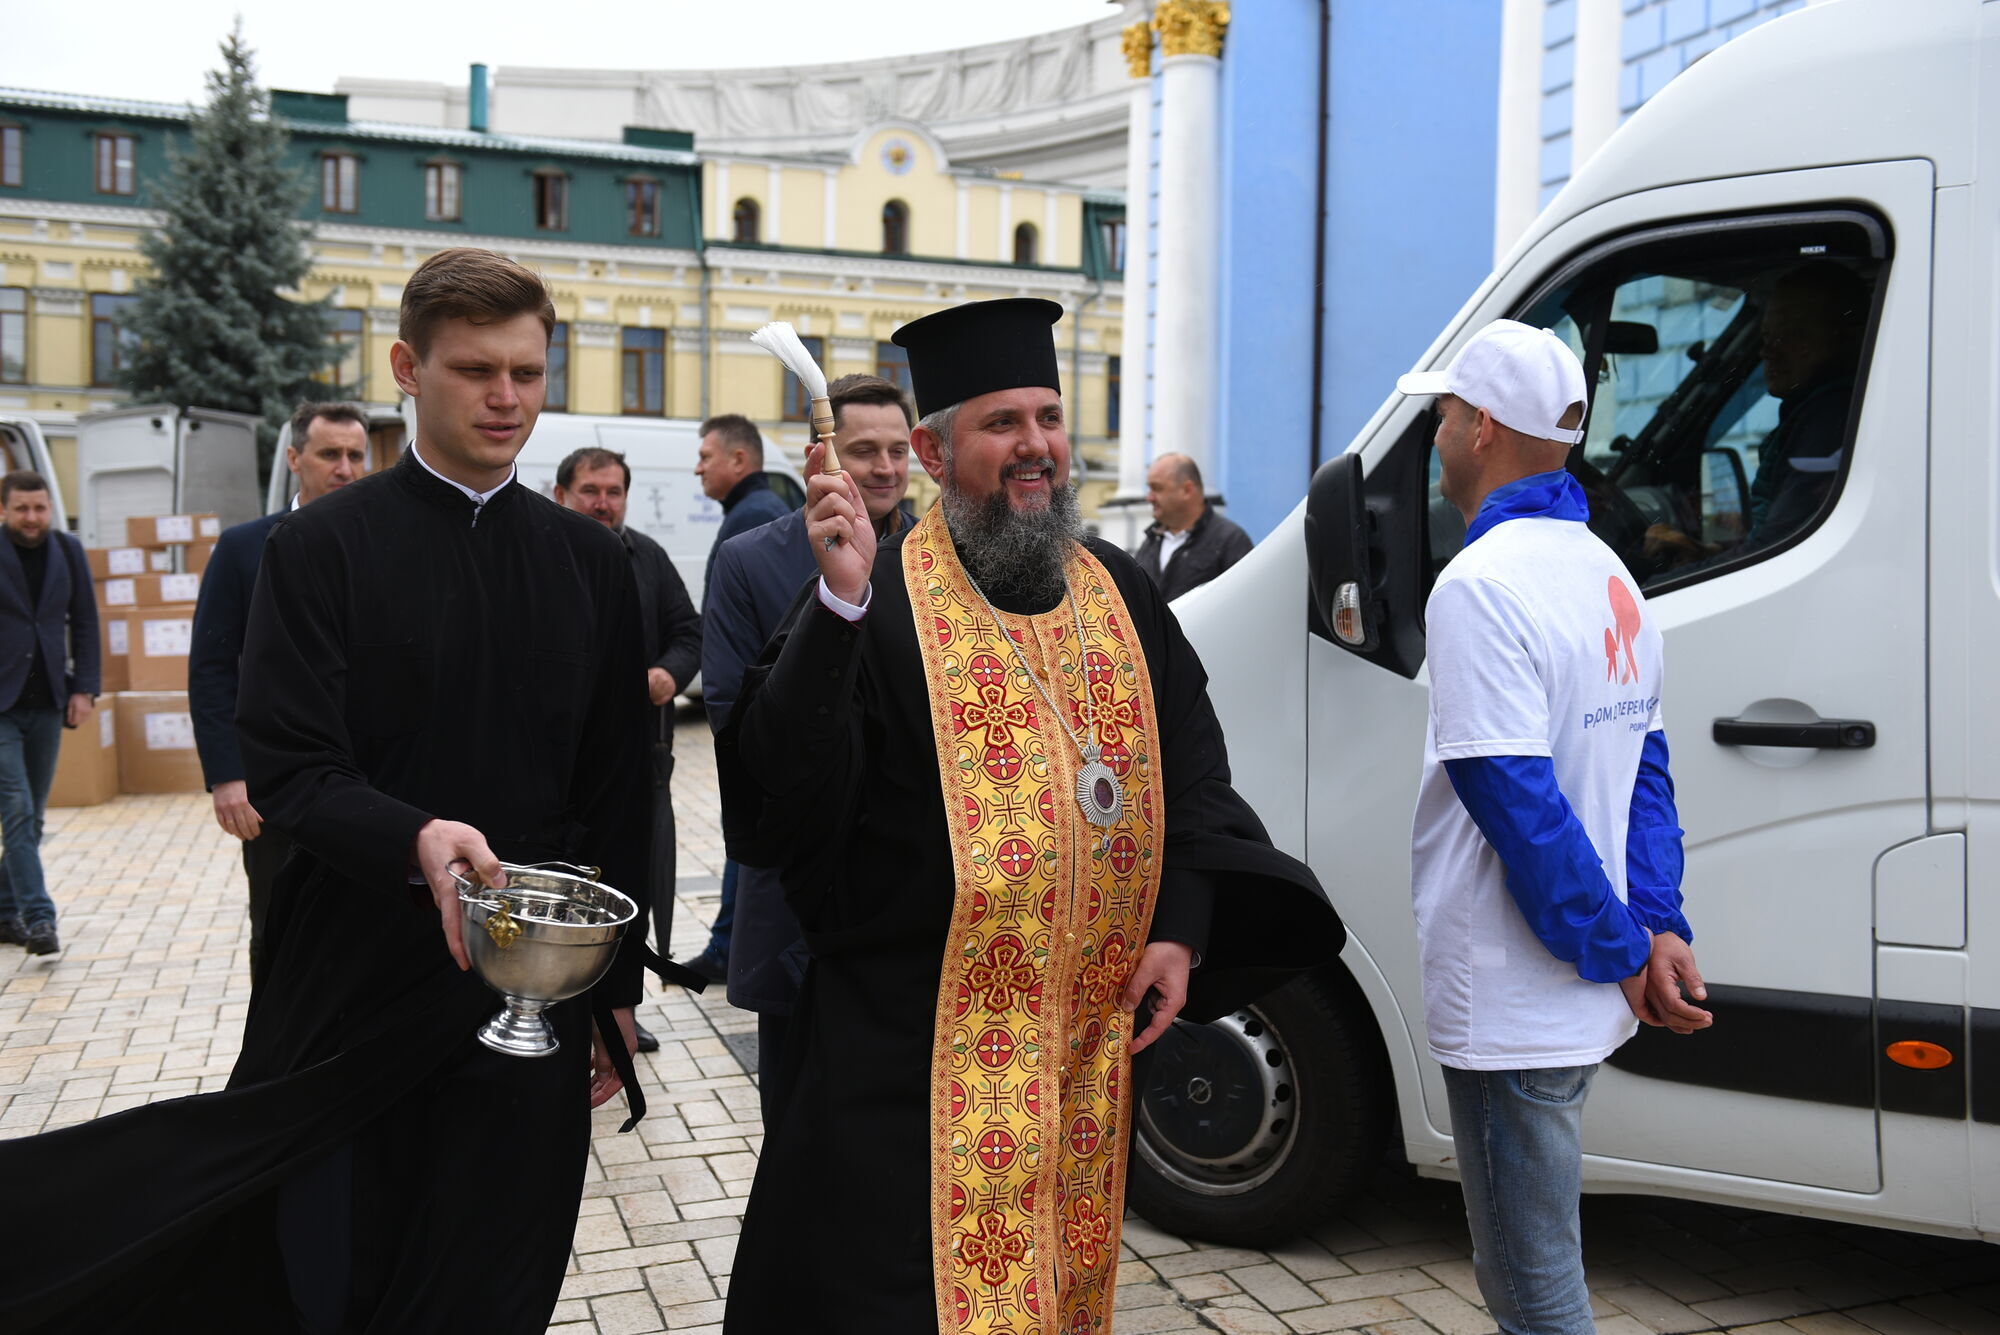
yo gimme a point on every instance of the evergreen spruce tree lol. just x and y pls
(211, 326)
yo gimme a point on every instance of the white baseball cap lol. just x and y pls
(1525, 378)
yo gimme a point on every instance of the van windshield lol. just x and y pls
(1724, 387)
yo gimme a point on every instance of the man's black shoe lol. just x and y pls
(710, 966)
(41, 939)
(647, 1043)
(11, 932)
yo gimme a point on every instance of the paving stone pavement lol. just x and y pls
(147, 1001)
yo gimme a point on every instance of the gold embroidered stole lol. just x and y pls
(1030, 1072)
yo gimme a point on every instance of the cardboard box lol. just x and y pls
(156, 743)
(106, 562)
(156, 650)
(168, 530)
(87, 765)
(117, 593)
(113, 638)
(165, 590)
(197, 556)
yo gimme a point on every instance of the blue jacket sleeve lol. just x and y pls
(1553, 872)
(1653, 859)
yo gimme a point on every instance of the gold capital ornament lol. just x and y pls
(1191, 27)
(1137, 45)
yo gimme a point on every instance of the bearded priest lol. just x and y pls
(983, 757)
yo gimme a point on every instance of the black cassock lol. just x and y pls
(829, 769)
(407, 658)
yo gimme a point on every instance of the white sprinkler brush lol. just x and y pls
(782, 341)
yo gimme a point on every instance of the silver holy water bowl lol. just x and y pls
(551, 934)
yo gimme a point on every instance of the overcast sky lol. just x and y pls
(142, 49)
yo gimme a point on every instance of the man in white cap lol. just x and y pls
(1546, 857)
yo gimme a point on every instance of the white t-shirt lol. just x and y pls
(1540, 645)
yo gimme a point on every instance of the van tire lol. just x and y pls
(1304, 1103)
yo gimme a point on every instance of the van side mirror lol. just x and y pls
(1368, 551)
(1337, 557)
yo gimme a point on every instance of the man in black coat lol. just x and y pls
(48, 679)
(328, 450)
(1188, 543)
(598, 483)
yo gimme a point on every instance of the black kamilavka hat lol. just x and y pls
(981, 347)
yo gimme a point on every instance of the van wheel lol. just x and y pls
(1251, 1129)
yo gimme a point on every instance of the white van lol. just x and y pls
(666, 501)
(1835, 735)
(159, 459)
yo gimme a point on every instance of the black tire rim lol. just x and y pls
(1219, 1112)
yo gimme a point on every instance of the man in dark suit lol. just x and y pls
(598, 483)
(328, 450)
(755, 581)
(1188, 543)
(49, 679)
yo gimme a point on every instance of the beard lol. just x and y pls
(1015, 556)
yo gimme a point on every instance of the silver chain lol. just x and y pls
(1083, 667)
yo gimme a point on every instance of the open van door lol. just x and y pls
(158, 459)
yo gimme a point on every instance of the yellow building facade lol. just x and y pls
(847, 248)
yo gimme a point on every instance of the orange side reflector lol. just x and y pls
(1923, 1056)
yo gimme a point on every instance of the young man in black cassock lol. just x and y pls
(983, 754)
(441, 668)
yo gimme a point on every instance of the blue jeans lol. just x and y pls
(29, 741)
(1519, 1136)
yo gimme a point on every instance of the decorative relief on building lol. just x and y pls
(991, 80)
(1137, 44)
(1191, 27)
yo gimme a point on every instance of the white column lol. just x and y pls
(1595, 87)
(774, 202)
(1185, 359)
(1517, 157)
(1132, 452)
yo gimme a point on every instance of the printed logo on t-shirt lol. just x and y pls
(1620, 635)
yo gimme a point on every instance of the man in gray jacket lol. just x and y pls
(49, 680)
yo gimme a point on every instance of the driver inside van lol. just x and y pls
(1812, 334)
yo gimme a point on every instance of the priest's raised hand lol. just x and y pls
(843, 541)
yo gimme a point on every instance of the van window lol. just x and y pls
(1727, 369)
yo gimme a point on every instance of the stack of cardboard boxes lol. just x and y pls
(143, 738)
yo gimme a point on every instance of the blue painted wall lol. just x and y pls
(1415, 133)
(1413, 127)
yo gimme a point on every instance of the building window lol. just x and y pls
(551, 201)
(111, 344)
(343, 328)
(10, 155)
(1114, 384)
(749, 219)
(443, 187)
(798, 407)
(13, 336)
(892, 363)
(1026, 243)
(339, 183)
(643, 382)
(557, 398)
(642, 207)
(115, 175)
(895, 228)
(1111, 235)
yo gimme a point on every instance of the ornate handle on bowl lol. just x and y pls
(499, 924)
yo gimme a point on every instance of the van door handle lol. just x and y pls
(1827, 734)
